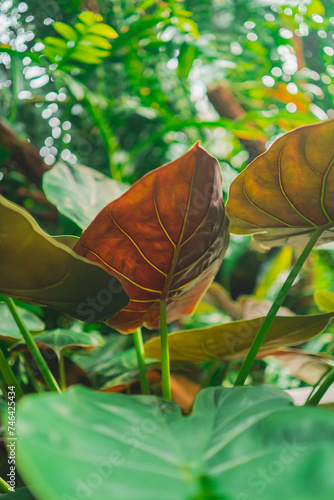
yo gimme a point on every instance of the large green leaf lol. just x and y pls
(80, 192)
(234, 339)
(8, 327)
(60, 340)
(36, 268)
(241, 443)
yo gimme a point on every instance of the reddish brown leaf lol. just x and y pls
(164, 239)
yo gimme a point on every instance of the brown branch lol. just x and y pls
(227, 106)
(24, 154)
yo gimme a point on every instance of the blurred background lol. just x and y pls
(138, 89)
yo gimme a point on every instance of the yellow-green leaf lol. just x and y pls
(233, 340)
(324, 300)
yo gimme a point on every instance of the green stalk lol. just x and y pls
(9, 376)
(165, 366)
(315, 399)
(62, 373)
(31, 344)
(3, 390)
(139, 345)
(259, 339)
(4, 486)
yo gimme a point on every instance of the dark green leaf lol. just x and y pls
(232, 340)
(19, 494)
(65, 31)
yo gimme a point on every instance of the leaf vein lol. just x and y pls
(136, 246)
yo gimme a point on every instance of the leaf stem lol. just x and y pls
(3, 390)
(9, 376)
(315, 399)
(139, 345)
(4, 486)
(165, 366)
(62, 373)
(259, 339)
(32, 346)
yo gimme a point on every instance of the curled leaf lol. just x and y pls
(288, 191)
(36, 268)
(164, 239)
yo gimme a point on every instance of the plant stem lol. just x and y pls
(36, 385)
(31, 344)
(62, 373)
(165, 366)
(3, 390)
(4, 486)
(315, 399)
(139, 345)
(259, 339)
(318, 382)
(9, 376)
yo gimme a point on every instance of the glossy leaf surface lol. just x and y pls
(80, 192)
(232, 340)
(35, 268)
(141, 448)
(164, 239)
(287, 192)
(8, 327)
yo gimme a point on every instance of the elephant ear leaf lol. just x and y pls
(285, 194)
(36, 268)
(164, 239)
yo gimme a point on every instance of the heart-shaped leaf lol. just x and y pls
(35, 268)
(164, 239)
(233, 340)
(8, 327)
(80, 192)
(238, 444)
(287, 192)
(60, 340)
